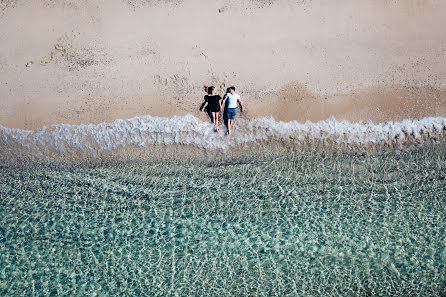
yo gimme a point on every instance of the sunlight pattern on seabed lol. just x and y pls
(295, 223)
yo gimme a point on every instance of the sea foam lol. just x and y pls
(189, 130)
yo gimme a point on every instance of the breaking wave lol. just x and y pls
(189, 130)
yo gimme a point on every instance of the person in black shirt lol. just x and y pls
(212, 102)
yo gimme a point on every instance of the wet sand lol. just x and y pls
(373, 104)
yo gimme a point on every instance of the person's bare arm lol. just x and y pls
(204, 106)
(222, 102)
(241, 104)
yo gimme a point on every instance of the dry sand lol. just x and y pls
(66, 61)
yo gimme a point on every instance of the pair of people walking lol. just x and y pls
(215, 104)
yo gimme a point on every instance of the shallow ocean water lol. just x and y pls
(291, 222)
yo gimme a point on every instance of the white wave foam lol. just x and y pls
(188, 130)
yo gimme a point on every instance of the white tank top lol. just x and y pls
(232, 100)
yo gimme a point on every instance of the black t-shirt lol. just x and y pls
(213, 102)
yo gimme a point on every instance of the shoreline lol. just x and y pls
(142, 137)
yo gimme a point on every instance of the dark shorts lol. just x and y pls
(230, 114)
(214, 108)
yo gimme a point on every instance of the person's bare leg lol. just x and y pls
(216, 122)
(229, 126)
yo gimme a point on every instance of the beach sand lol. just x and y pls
(75, 62)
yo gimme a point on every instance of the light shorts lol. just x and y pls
(231, 113)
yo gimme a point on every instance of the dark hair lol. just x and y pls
(227, 90)
(210, 90)
(232, 88)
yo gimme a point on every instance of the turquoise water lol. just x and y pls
(294, 222)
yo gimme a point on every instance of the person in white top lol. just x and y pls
(232, 98)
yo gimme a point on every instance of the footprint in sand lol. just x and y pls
(46, 59)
